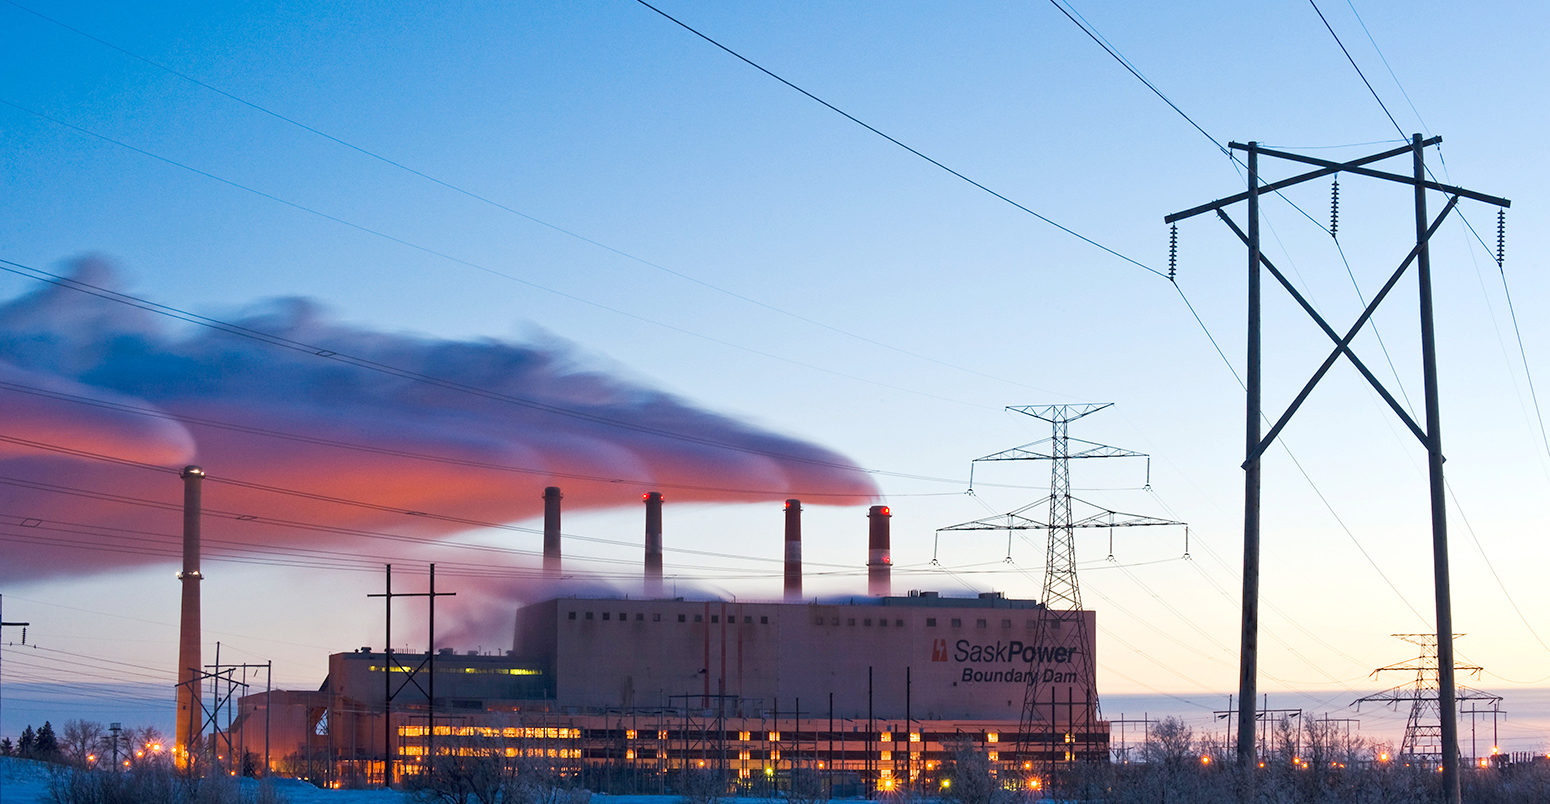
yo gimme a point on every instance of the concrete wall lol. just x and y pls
(966, 659)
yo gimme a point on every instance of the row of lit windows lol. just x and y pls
(477, 671)
(510, 732)
(547, 753)
(656, 617)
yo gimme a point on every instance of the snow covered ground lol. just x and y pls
(26, 782)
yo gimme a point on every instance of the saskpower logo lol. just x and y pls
(1016, 655)
(938, 650)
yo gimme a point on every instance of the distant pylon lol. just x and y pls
(1423, 728)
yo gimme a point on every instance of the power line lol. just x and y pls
(475, 265)
(461, 190)
(408, 374)
(852, 118)
(1356, 67)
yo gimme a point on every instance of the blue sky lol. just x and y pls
(767, 260)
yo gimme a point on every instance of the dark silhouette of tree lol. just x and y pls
(46, 745)
(28, 741)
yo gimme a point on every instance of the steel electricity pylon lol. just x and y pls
(1423, 740)
(1062, 629)
(1428, 432)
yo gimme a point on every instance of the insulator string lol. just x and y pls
(1334, 207)
(1501, 237)
(1173, 252)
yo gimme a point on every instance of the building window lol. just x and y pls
(930, 622)
(589, 615)
(605, 615)
(882, 623)
(1006, 623)
(748, 619)
(572, 614)
(979, 623)
(899, 623)
(699, 618)
(957, 623)
(836, 621)
(715, 618)
(656, 617)
(766, 620)
(623, 616)
(640, 617)
(850, 620)
(680, 618)
(867, 621)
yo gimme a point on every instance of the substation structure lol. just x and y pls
(870, 694)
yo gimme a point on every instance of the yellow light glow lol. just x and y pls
(992, 737)
(1205, 760)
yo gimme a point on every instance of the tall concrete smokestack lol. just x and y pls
(189, 722)
(879, 562)
(653, 543)
(793, 550)
(552, 498)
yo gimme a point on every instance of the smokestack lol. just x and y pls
(879, 562)
(793, 550)
(189, 721)
(653, 543)
(552, 498)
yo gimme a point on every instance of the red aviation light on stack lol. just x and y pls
(879, 557)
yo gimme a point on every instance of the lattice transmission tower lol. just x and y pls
(1060, 712)
(1423, 741)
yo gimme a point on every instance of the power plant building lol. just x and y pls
(869, 692)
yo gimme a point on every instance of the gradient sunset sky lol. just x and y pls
(691, 277)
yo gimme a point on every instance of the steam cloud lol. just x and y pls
(82, 374)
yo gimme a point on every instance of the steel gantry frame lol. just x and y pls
(1430, 436)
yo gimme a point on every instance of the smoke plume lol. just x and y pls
(407, 436)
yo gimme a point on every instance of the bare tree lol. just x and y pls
(80, 740)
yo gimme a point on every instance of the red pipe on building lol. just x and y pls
(879, 563)
(793, 550)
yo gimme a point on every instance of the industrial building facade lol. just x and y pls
(870, 693)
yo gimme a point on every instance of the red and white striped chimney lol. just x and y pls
(552, 499)
(793, 550)
(653, 543)
(879, 561)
